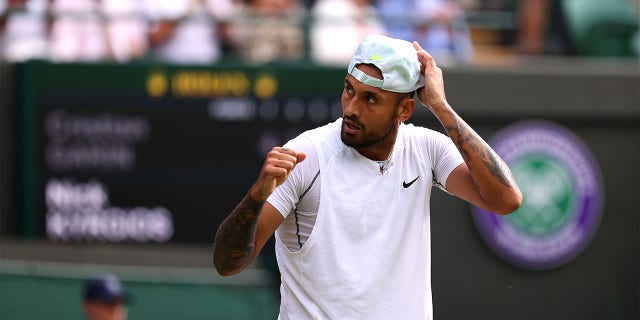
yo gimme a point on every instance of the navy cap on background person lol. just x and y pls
(104, 298)
(106, 288)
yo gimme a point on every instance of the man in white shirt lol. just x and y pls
(349, 201)
(338, 27)
(187, 31)
(24, 33)
(77, 32)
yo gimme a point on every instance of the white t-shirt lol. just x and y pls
(338, 27)
(358, 242)
(195, 39)
(77, 32)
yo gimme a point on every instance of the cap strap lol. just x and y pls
(365, 78)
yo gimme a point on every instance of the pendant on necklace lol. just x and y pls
(382, 167)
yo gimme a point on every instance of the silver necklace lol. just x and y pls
(384, 165)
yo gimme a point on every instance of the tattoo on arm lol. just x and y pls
(236, 236)
(464, 138)
(498, 169)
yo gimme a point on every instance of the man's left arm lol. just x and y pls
(484, 179)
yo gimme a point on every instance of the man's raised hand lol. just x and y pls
(276, 169)
(432, 95)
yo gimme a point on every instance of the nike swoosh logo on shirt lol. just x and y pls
(407, 185)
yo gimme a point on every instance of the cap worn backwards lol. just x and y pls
(397, 60)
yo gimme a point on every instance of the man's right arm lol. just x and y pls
(242, 234)
(236, 237)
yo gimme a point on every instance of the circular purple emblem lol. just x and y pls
(562, 187)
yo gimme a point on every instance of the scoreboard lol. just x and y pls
(151, 153)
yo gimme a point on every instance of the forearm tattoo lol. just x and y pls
(235, 238)
(468, 141)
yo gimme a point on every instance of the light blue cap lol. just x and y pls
(397, 60)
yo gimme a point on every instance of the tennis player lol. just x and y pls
(348, 202)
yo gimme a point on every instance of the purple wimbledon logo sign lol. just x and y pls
(563, 197)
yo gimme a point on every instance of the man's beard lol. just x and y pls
(368, 139)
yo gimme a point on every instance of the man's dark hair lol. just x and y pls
(402, 95)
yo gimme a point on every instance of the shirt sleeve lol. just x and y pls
(445, 159)
(439, 152)
(287, 195)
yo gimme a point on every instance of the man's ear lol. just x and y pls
(405, 109)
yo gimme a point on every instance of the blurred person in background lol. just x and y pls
(188, 31)
(104, 298)
(542, 28)
(439, 25)
(339, 26)
(77, 32)
(532, 17)
(24, 30)
(125, 28)
(269, 30)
